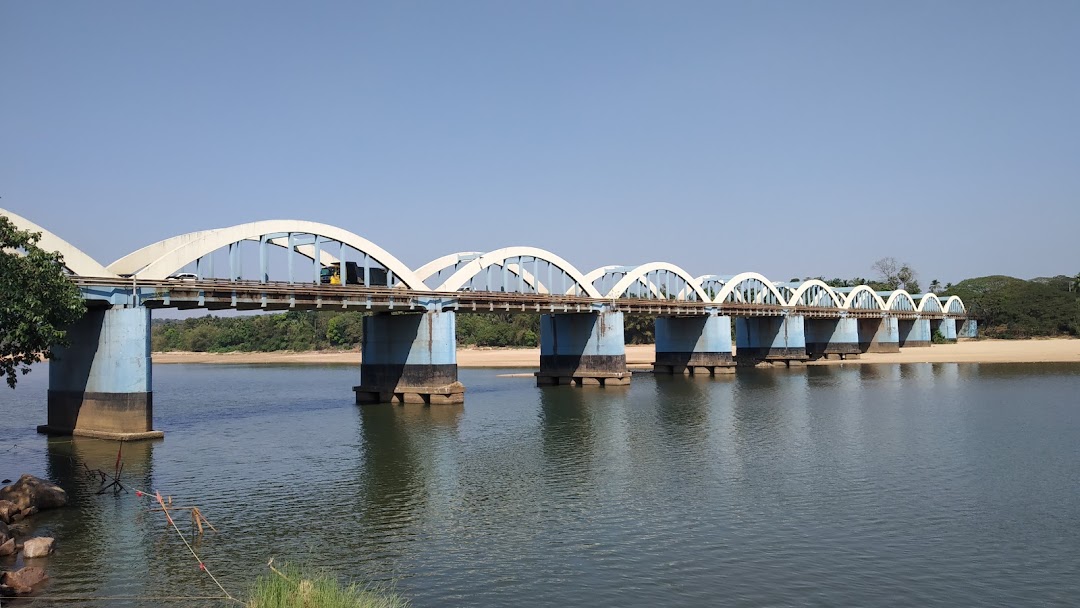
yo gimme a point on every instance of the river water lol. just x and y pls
(873, 485)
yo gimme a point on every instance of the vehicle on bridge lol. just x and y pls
(354, 275)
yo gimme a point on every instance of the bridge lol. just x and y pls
(101, 384)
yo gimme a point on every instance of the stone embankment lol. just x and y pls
(18, 501)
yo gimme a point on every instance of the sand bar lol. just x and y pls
(637, 356)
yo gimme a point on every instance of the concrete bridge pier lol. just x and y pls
(946, 327)
(409, 358)
(694, 345)
(832, 338)
(879, 335)
(967, 330)
(582, 349)
(770, 340)
(100, 386)
(914, 332)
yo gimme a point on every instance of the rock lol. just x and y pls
(23, 581)
(30, 491)
(38, 547)
(7, 548)
(28, 511)
(5, 532)
(7, 509)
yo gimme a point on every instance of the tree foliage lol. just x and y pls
(1014, 308)
(894, 275)
(37, 302)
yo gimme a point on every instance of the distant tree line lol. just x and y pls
(326, 330)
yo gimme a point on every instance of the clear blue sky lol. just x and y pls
(792, 138)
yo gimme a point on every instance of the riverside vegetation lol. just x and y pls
(1006, 307)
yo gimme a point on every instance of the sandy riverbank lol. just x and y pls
(981, 351)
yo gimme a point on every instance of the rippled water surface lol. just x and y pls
(912, 485)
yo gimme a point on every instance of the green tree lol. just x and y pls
(37, 302)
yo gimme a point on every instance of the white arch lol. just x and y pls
(639, 272)
(948, 306)
(499, 256)
(195, 245)
(595, 275)
(926, 300)
(838, 302)
(738, 279)
(74, 259)
(439, 264)
(875, 298)
(135, 261)
(899, 294)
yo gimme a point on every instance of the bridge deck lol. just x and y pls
(255, 295)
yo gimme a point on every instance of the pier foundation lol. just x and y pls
(946, 327)
(582, 349)
(694, 345)
(967, 330)
(832, 338)
(100, 386)
(770, 340)
(879, 335)
(914, 332)
(409, 358)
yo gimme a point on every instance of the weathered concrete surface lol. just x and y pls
(946, 327)
(582, 349)
(767, 339)
(693, 345)
(914, 332)
(409, 358)
(879, 335)
(832, 337)
(968, 330)
(100, 385)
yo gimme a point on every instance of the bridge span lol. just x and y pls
(101, 385)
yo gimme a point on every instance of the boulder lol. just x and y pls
(7, 509)
(31, 491)
(7, 548)
(23, 581)
(38, 547)
(5, 532)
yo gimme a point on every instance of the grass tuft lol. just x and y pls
(298, 587)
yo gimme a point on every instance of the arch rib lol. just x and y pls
(195, 245)
(639, 273)
(499, 256)
(738, 279)
(837, 301)
(74, 259)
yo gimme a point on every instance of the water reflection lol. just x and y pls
(105, 525)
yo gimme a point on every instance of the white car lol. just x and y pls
(183, 276)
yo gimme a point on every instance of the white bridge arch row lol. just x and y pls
(656, 280)
(159, 260)
(519, 257)
(75, 260)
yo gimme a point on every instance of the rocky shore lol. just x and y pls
(21, 567)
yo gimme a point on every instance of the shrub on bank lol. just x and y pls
(297, 587)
